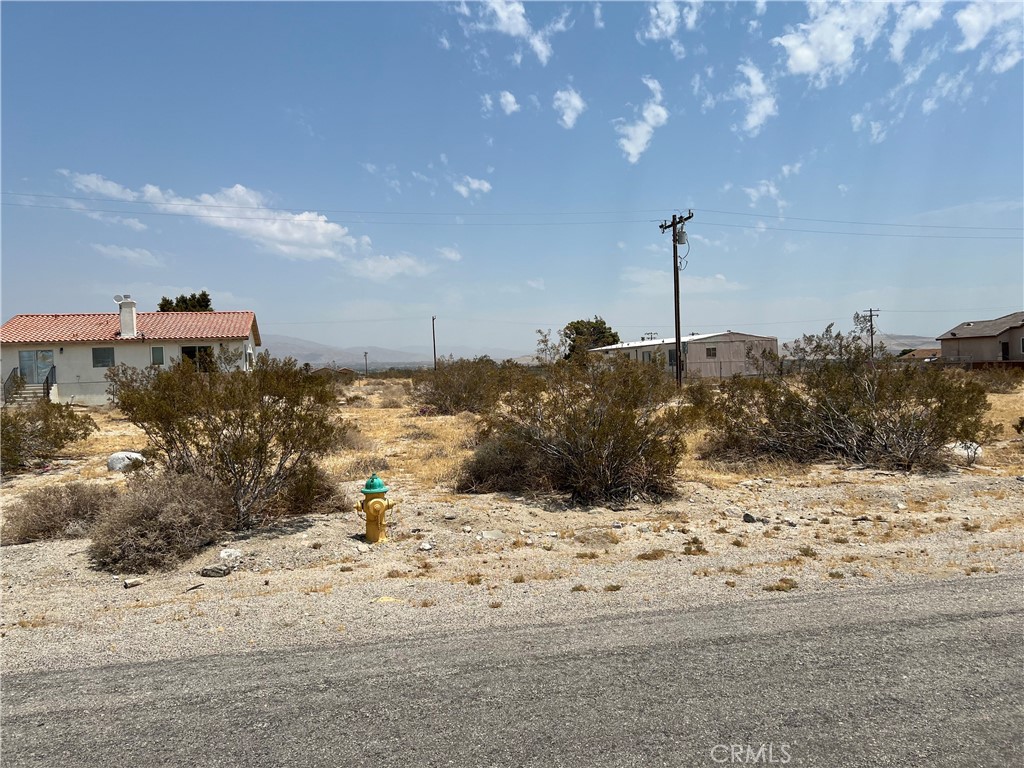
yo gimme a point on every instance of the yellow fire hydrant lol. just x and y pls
(375, 507)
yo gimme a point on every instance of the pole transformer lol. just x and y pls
(678, 236)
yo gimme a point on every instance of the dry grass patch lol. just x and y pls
(785, 584)
(654, 554)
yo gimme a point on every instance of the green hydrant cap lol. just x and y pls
(375, 485)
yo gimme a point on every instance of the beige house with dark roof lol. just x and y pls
(985, 341)
(65, 356)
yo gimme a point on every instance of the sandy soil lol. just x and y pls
(457, 561)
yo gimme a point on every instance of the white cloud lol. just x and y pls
(135, 256)
(691, 13)
(508, 103)
(509, 18)
(956, 88)
(451, 254)
(843, 189)
(758, 97)
(912, 18)
(760, 6)
(878, 131)
(444, 42)
(486, 105)
(570, 105)
(598, 20)
(825, 47)
(857, 121)
(791, 169)
(765, 189)
(381, 268)
(657, 282)
(663, 19)
(537, 284)
(93, 183)
(979, 19)
(245, 213)
(636, 136)
(468, 186)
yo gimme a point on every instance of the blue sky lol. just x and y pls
(348, 170)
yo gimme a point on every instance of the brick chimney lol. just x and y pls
(128, 325)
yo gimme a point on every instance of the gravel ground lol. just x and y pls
(309, 583)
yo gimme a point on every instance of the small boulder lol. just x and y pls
(749, 518)
(215, 571)
(230, 554)
(122, 460)
(493, 535)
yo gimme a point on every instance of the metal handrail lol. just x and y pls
(12, 382)
(49, 381)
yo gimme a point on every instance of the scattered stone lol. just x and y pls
(129, 583)
(691, 500)
(644, 528)
(362, 548)
(450, 516)
(426, 546)
(122, 460)
(616, 524)
(552, 534)
(343, 569)
(493, 535)
(900, 505)
(230, 554)
(529, 542)
(861, 519)
(789, 522)
(215, 571)
(467, 529)
(749, 518)
(747, 483)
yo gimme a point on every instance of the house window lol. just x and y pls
(671, 357)
(647, 357)
(711, 351)
(157, 356)
(201, 357)
(102, 357)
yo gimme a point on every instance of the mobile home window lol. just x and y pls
(711, 351)
(671, 357)
(647, 357)
(157, 356)
(102, 357)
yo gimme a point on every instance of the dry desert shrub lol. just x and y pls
(159, 521)
(63, 511)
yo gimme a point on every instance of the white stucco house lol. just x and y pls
(67, 355)
(706, 355)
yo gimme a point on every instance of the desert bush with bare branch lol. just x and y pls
(836, 400)
(64, 511)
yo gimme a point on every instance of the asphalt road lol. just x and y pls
(926, 675)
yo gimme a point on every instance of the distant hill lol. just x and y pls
(896, 343)
(379, 357)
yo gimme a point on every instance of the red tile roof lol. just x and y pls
(106, 326)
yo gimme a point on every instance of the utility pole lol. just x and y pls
(872, 314)
(366, 365)
(678, 236)
(433, 336)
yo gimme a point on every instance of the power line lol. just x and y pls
(311, 209)
(759, 228)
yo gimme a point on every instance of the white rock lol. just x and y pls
(965, 450)
(467, 529)
(426, 546)
(552, 534)
(363, 548)
(492, 535)
(900, 505)
(230, 554)
(120, 461)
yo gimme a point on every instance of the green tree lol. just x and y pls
(582, 335)
(253, 432)
(194, 302)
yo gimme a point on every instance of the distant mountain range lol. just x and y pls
(376, 358)
(896, 343)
